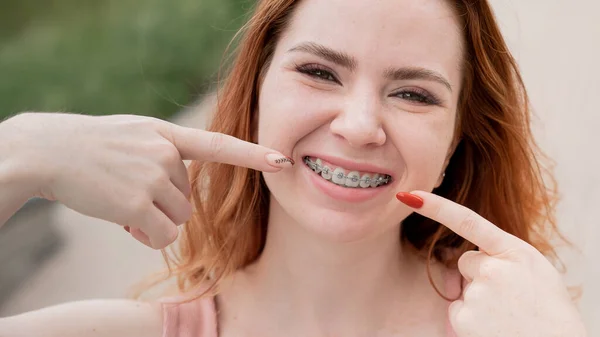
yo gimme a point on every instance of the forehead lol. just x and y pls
(382, 33)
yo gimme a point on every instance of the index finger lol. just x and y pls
(209, 146)
(466, 223)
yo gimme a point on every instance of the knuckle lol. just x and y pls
(473, 292)
(487, 270)
(527, 257)
(172, 235)
(168, 236)
(468, 224)
(468, 256)
(528, 253)
(437, 210)
(187, 189)
(168, 154)
(463, 317)
(142, 122)
(464, 261)
(137, 209)
(152, 122)
(158, 180)
(494, 271)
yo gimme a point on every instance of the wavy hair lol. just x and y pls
(496, 169)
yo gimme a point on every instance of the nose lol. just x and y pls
(359, 122)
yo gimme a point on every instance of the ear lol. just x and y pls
(449, 155)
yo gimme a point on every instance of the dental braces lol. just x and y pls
(314, 166)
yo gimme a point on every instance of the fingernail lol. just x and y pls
(278, 160)
(410, 200)
(126, 228)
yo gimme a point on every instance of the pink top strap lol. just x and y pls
(189, 319)
(198, 318)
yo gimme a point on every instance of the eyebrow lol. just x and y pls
(329, 54)
(349, 62)
(417, 73)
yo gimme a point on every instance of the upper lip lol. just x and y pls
(352, 165)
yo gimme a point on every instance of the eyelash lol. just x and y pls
(419, 96)
(312, 70)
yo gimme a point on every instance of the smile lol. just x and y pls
(346, 178)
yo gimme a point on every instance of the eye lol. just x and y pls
(418, 96)
(318, 72)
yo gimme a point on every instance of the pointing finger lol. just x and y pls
(208, 146)
(461, 220)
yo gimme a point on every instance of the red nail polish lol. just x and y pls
(410, 200)
(127, 229)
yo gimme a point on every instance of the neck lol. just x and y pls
(312, 285)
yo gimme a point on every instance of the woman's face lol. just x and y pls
(370, 89)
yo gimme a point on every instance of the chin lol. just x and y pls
(337, 223)
(344, 227)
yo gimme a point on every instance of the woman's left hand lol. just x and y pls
(511, 288)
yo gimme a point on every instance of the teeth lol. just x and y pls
(319, 165)
(374, 180)
(365, 181)
(326, 173)
(352, 179)
(339, 176)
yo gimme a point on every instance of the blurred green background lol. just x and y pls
(148, 57)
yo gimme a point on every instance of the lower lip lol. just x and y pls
(344, 193)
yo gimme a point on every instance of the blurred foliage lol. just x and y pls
(148, 57)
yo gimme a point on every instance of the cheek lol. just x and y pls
(424, 141)
(289, 110)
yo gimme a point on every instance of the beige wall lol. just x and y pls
(557, 43)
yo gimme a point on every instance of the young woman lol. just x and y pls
(369, 171)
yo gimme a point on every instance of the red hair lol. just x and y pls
(495, 170)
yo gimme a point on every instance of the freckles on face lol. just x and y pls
(279, 112)
(424, 145)
(379, 37)
(345, 72)
(291, 106)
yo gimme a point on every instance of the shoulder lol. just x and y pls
(100, 318)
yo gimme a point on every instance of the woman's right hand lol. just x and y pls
(122, 168)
